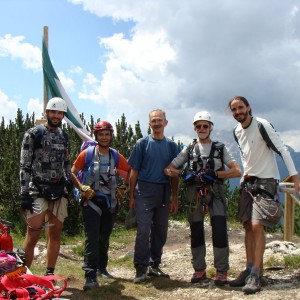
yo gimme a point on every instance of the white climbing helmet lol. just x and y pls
(57, 103)
(203, 116)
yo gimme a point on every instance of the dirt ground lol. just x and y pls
(278, 281)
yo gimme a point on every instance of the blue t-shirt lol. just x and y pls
(150, 156)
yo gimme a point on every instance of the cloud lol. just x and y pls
(185, 58)
(291, 137)
(66, 82)
(136, 76)
(76, 70)
(8, 108)
(36, 107)
(15, 48)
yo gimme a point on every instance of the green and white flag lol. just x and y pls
(54, 88)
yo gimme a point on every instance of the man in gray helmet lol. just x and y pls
(45, 178)
(208, 163)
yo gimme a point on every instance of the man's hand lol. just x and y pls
(209, 176)
(174, 206)
(26, 202)
(131, 201)
(69, 185)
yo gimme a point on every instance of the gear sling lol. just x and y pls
(191, 172)
(92, 169)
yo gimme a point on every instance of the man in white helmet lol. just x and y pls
(204, 176)
(45, 178)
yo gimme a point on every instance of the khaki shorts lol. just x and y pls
(58, 208)
(260, 207)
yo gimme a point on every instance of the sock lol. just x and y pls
(49, 271)
(255, 271)
(249, 266)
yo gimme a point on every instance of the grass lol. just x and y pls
(292, 261)
(123, 288)
(273, 262)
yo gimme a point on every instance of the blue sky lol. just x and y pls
(126, 56)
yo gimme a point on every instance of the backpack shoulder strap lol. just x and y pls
(66, 137)
(192, 164)
(115, 155)
(38, 136)
(217, 146)
(234, 135)
(190, 148)
(89, 156)
(266, 137)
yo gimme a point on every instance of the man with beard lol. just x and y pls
(150, 195)
(99, 203)
(204, 176)
(45, 179)
(259, 205)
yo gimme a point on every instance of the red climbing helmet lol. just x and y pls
(103, 125)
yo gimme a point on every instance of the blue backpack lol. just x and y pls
(90, 145)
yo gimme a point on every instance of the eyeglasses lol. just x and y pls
(201, 126)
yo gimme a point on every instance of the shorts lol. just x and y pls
(258, 206)
(58, 208)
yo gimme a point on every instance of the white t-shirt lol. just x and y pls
(259, 160)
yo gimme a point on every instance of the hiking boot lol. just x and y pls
(141, 273)
(198, 276)
(155, 271)
(252, 284)
(241, 280)
(221, 278)
(90, 283)
(104, 274)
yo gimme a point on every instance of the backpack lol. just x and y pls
(264, 135)
(190, 171)
(193, 161)
(81, 175)
(41, 130)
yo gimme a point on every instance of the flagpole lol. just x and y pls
(45, 35)
(54, 88)
(43, 119)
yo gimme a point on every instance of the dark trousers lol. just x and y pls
(97, 233)
(152, 205)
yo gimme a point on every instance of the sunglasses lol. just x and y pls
(201, 126)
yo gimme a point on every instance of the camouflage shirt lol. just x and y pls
(49, 161)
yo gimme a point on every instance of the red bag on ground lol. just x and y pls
(28, 286)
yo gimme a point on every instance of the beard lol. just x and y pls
(54, 124)
(242, 117)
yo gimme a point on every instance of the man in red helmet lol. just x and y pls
(98, 190)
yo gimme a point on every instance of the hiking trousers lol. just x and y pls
(97, 233)
(217, 210)
(152, 206)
